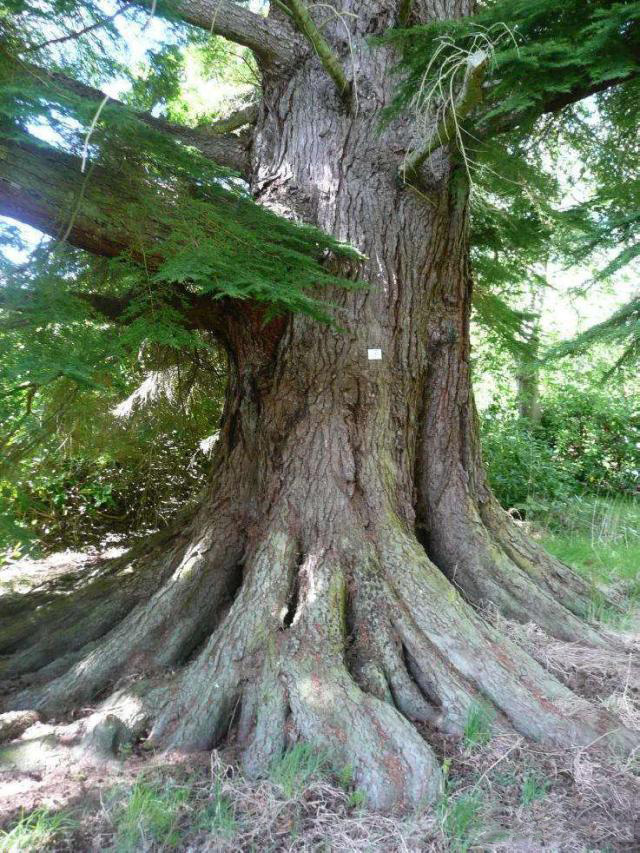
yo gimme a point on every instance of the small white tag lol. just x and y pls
(374, 354)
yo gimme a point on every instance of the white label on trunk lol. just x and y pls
(374, 354)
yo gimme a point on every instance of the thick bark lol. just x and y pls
(470, 537)
(300, 601)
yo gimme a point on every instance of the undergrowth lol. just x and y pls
(600, 539)
(43, 829)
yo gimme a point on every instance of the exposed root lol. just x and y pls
(14, 723)
(208, 692)
(151, 636)
(100, 737)
(391, 762)
(559, 580)
(345, 647)
(593, 673)
(268, 670)
(476, 561)
(62, 615)
(535, 703)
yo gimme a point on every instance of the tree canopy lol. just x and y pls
(153, 234)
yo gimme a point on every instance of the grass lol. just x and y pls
(477, 728)
(149, 815)
(534, 788)
(461, 820)
(600, 539)
(40, 830)
(460, 814)
(297, 768)
(218, 815)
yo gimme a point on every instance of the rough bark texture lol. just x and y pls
(328, 587)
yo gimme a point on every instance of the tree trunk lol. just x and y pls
(527, 370)
(325, 588)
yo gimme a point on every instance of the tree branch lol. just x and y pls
(44, 187)
(270, 41)
(445, 131)
(506, 123)
(238, 119)
(308, 28)
(79, 33)
(224, 149)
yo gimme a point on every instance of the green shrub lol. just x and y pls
(587, 442)
(597, 431)
(523, 469)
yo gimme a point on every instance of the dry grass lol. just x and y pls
(506, 795)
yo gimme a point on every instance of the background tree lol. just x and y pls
(328, 584)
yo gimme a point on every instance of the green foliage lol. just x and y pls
(597, 432)
(622, 328)
(42, 829)
(524, 471)
(553, 49)
(75, 462)
(587, 441)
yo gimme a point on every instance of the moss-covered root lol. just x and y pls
(475, 558)
(390, 761)
(563, 584)
(276, 667)
(535, 703)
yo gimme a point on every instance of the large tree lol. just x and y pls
(331, 583)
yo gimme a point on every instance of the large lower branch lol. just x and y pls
(271, 42)
(225, 149)
(45, 188)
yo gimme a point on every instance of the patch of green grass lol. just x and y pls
(461, 819)
(477, 729)
(42, 829)
(218, 815)
(297, 768)
(345, 779)
(357, 799)
(600, 537)
(533, 788)
(150, 815)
